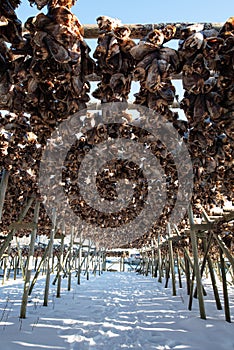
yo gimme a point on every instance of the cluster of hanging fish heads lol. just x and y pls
(44, 79)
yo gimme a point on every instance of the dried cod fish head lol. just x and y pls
(228, 28)
(169, 32)
(107, 24)
(155, 37)
(66, 3)
(122, 32)
(195, 41)
(39, 3)
(212, 46)
(209, 84)
(3, 21)
(188, 30)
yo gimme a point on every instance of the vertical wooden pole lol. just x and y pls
(30, 262)
(191, 291)
(15, 266)
(225, 290)
(49, 261)
(21, 260)
(187, 273)
(3, 188)
(120, 264)
(153, 259)
(88, 260)
(196, 264)
(79, 261)
(99, 262)
(179, 272)
(60, 262)
(104, 260)
(167, 271)
(10, 264)
(4, 269)
(70, 258)
(172, 262)
(160, 275)
(6, 265)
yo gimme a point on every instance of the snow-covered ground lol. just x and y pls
(111, 312)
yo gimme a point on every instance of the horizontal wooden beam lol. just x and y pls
(98, 106)
(22, 226)
(228, 209)
(203, 227)
(139, 31)
(227, 217)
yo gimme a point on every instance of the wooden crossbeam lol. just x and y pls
(21, 225)
(139, 31)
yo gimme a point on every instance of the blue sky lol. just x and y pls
(146, 11)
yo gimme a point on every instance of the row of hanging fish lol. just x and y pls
(43, 73)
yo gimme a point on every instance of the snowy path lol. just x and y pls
(111, 312)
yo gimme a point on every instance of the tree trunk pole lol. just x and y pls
(30, 262)
(196, 265)
(50, 252)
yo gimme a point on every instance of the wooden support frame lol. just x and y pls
(38, 270)
(12, 232)
(196, 264)
(226, 217)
